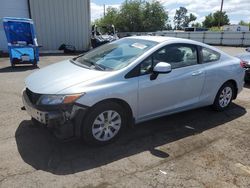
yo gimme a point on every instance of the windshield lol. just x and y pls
(115, 55)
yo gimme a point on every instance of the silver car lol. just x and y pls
(131, 80)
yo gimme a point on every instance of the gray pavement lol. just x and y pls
(197, 148)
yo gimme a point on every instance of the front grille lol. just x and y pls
(33, 97)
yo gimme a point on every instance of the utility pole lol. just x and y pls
(220, 18)
(104, 10)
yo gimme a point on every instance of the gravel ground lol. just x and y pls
(198, 148)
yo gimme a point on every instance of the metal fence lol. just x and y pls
(215, 38)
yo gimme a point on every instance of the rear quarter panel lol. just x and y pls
(219, 72)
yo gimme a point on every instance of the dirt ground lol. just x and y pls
(198, 148)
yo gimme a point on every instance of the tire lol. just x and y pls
(35, 64)
(98, 128)
(224, 97)
(35, 122)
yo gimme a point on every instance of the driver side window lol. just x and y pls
(146, 66)
(178, 55)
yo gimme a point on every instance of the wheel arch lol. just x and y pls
(123, 104)
(235, 87)
(234, 83)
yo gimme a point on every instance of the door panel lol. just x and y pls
(175, 91)
(169, 92)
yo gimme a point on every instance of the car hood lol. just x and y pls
(59, 76)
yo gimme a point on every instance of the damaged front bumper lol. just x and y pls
(64, 120)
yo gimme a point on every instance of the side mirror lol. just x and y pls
(160, 68)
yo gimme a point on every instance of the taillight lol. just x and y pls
(243, 64)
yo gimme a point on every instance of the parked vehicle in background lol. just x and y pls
(245, 57)
(188, 29)
(235, 27)
(103, 34)
(128, 81)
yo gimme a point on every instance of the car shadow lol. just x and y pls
(247, 85)
(40, 149)
(19, 68)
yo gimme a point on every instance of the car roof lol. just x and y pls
(158, 39)
(161, 39)
(164, 39)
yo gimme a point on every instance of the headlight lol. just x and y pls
(58, 99)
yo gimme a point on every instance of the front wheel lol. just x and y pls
(104, 123)
(224, 97)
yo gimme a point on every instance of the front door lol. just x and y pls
(174, 91)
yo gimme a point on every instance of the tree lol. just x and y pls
(189, 19)
(154, 16)
(209, 21)
(135, 16)
(131, 15)
(181, 19)
(245, 24)
(212, 20)
(222, 16)
(197, 24)
(168, 26)
(111, 17)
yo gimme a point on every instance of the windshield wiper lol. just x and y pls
(94, 64)
(75, 58)
(79, 64)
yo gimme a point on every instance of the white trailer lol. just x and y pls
(235, 27)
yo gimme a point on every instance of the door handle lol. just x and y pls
(196, 73)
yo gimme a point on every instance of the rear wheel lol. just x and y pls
(104, 123)
(224, 97)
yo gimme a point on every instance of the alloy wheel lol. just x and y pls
(106, 125)
(225, 97)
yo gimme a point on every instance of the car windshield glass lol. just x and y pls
(115, 55)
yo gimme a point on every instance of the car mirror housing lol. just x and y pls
(160, 68)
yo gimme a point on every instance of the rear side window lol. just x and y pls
(209, 55)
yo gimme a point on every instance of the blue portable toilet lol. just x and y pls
(22, 41)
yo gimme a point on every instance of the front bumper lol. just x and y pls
(65, 121)
(44, 117)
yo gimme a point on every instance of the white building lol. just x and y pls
(235, 27)
(56, 21)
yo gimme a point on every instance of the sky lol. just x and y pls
(236, 9)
